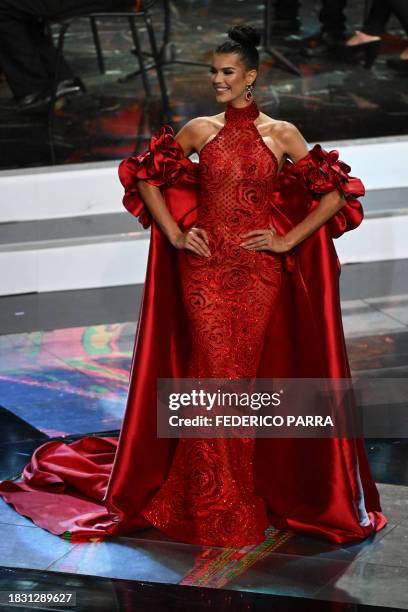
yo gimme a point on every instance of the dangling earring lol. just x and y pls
(248, 94)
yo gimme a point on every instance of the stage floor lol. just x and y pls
(332, 100)
(287, 565)
(66, 375)
(84, 370)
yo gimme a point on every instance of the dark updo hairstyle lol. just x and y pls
(242, 39)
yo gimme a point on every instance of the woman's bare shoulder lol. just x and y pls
(287, 135)
(279, 128)
(197, 130)
(199, 125)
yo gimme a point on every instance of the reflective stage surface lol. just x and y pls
(67, 380)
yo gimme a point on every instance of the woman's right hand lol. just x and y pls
(195, 239)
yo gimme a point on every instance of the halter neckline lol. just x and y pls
(234, 114)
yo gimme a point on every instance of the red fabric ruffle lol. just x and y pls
(163, 164)
(320, 172)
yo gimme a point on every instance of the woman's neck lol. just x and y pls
(241, 114)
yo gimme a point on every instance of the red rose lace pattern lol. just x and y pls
(208, 497)
(229, 295)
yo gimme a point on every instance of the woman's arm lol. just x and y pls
(194, 239)
(292, 142)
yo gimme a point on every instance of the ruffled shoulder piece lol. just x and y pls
(163, 164)
(301, 184)
(322, 171)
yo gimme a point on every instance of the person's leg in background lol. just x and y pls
(367, 40)
(377, 18)
(285, 17)
(374, 24)
(20, 60)
(333, 18)
(374, 27)
(332, 32)
(400, 8)
(27, 54)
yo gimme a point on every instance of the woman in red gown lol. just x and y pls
(242, 257)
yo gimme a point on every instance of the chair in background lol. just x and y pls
(136, 17)
(267, 41)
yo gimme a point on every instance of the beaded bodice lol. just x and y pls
(236, 174)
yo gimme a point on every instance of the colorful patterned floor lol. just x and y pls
(74, 380)
(373, 572)
(68, 381)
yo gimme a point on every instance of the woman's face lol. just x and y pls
(229, 77)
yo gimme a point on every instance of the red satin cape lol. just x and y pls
(97, 486)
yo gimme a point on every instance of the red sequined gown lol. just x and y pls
(208, 497)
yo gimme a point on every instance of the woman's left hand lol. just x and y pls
(265, 240)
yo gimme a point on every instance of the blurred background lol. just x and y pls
(332, 97)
